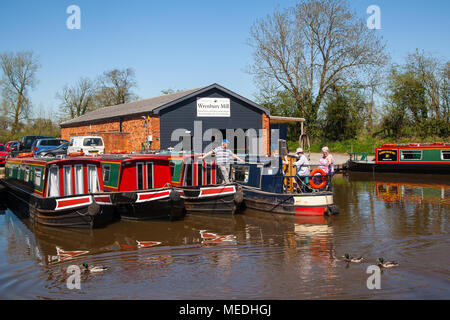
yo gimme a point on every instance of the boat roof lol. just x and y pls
(416, 145)
(52, 160)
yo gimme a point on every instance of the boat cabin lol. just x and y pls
(188, 171)
(135, 172)
(52, 177)
(419, 153)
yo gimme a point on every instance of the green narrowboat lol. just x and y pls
(407, 158)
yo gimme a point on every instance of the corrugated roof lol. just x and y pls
(148, 105)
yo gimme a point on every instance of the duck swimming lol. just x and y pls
(94, 268)
(348, 258)
(386, 264)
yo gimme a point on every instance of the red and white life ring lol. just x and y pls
(324, 179)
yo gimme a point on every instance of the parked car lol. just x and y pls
(60, 150)
(27, 142)
(12, 145)
(87, 144)
(40, 146)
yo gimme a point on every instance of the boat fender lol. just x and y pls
(93, 209)
(238, 197)
(175, 195)
(332, 210)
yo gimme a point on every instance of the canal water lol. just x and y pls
(254, 255)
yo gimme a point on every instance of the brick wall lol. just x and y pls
(130, 139)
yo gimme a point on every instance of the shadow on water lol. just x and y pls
(255, 255)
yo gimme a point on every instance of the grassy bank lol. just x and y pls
(361, 144)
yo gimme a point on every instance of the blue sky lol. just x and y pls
(181, 44)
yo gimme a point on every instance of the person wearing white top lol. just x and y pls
(302, 165)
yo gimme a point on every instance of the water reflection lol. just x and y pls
(255, 255)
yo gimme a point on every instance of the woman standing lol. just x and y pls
(327, 161)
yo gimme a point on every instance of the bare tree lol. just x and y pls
(308, 49)
(19, 72)
(115, 87)
(78, 99)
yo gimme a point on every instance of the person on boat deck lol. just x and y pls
(223, 160)
(327, 161)
(302, 165)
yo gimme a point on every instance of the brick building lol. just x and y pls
(150, 123)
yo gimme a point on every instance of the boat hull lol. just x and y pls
(398, 168)
(82, 211)
(220, 199)
(149, 205)
(307, 204)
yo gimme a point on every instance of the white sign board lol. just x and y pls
(213, 107)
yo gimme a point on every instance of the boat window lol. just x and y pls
(140, 176)
(188, 174)
(79, 188)
(93, 184)
(209, 176)
(411, 154)
(199, 174)
(68, 180)
(27, 174)
(240, 173)
(149, 175)
(106, 173)
(445, 154)
(53, 182)
(172, 169)
(37, 176)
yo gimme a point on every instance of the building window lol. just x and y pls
(445, 154)
(411, 155)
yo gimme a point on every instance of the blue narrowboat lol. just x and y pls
(267, 186)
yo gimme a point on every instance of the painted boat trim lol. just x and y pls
(151, 196)
(214, 191)
(103, 200)
(69, 203)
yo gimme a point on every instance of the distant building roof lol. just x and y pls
(154, 105)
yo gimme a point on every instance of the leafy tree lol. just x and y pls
(77, 99)
(115, 87)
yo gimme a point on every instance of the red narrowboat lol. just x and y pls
(199, 184)
(58, 192)
(141, 186)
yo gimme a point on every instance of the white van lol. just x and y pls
(90, 145)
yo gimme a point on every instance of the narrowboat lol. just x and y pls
(266, 187)
(58, 192)
(405, 158)
(199, 184)
(141, 186)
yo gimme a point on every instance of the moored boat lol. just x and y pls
(198, 183)
(141, 186)
(58, 192)
(266, 187)
(405, 158)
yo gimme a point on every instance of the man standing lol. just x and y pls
(302, 165)
(223, 159)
